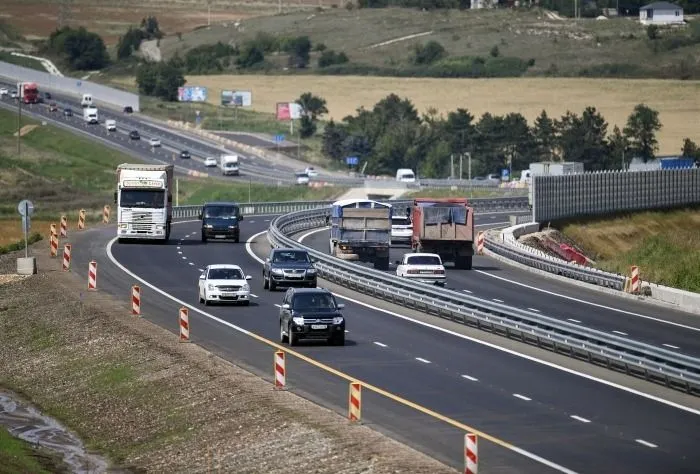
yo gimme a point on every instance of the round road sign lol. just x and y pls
(25, 208)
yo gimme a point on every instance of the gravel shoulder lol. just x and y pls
(151, 404)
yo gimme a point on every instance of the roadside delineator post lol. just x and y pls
(471, 454)
(53, 241)
(66, 257)
(184, 325)
(136, 300)
(105, 214)
(280, 371)
(92, 275)
(64, 226)
(81, 220)
(480, 243)
(355, 402)
(634, 286)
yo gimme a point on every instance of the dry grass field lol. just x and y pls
(678, 102)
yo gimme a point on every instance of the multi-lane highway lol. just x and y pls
(575, 423)
(502, 284)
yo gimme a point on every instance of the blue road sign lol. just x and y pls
(352, 160)
(279, 138)
(505, 174)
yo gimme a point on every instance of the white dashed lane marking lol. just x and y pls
(179, 253)
(646, 443)
(420, 359)
(535, 310)
(497, 300)
(466, 291)
(573, 320)
(620, 333)
(581, 419)
(671, 346)
(468, 377)
(522, 397)
(279, 306)
(184, 258)
(380, 344)
(254, 296)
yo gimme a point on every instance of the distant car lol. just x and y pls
(311, 172)
(422, 267)
(47, 95)
(53, 107)
(401, 229)
(68, 112)
(302, 179)
(134, 135)
(221, 220)
(185, 155)
(111, 125)
(3, 91)
(154, 142)
(288, 267)
(311, 313)
(128, 109)
(14, 94)
(210, 161)
(224, 283)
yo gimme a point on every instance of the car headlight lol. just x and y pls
(232, 227)
(277, 271)
(245, 287)
(311, 271)
(211, 287)
(338, 320)
(209, 226)
(299, 321)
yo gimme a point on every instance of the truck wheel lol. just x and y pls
(167, 232)
(463, 263)
(381, 263)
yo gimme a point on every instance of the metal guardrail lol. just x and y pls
(655, 364)
(256, 208)
(541, 261)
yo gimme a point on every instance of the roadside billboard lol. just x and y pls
(288, 111)
(192, 94)
(236, 98)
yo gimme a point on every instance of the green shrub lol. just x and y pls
(19, 245)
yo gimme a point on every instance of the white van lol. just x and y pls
(111, 125)
(229, 165)
(405, 175)
(86, 101)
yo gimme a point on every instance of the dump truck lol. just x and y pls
(30, 93)
(444, 227)
(361, 231)
(144, 201)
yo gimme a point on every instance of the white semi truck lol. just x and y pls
(144, 201)
(229, 165)
(90, 115)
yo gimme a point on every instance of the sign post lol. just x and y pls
(352, 161)
(279, 139)
(26, 265)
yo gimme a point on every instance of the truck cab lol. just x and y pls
(90, 115)
(229, 165)
(86, 100)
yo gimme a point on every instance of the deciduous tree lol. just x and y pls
(641, 129)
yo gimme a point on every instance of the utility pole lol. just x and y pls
(452, 166)
(461, 155)
(469, 166)
(20, 94)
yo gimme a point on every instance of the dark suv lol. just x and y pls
(288, 267)
(220, 221)
(311, 313)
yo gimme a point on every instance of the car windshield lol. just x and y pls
(423, 260)
(302, 175)
(225, 274)
(400, 221)
(151, 198)
(290, 256)
(221, 212)
(314, 302)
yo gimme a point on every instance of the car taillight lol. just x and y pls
(412, 271)
(439, 272)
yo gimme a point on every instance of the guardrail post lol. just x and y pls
(355, 402)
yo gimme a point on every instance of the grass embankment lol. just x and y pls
(21, 61)
(62, 173)
(664, 245)
(19, 457)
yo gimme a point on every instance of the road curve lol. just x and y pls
(499, 283)
(577, 423)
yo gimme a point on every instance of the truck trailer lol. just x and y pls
(361, 231)
(144, 201)
(444, 227)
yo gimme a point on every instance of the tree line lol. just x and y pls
(393, 135)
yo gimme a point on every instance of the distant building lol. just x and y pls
(661, 13)
(476, 4)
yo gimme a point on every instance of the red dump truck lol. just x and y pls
(444, 227)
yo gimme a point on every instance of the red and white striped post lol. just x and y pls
(136, 300)
(92, 276)
(471, 454)
(64, 226)
(105, 214)
(53, 241)
(634, 287)
(66, 257)
(480, 243)
(355, 402)
(280, 371)
(184, 325)
(81, 220)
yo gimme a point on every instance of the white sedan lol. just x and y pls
(224, 283)
(401, 229)
(422, 267)
(210, 161)
(154, 142)
(311, 172)
(4, 91)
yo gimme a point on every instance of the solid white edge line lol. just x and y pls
(597, 305)
(522, 397)
(646, 443)
(551, 365)
(580, 418)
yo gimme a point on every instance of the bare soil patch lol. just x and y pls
(130, 390)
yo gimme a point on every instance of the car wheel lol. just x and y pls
(272, 284)
(293, 338)
(206, 301)
(266, 284)
(204, 238)
(245, 303)
(283, 337)
(200, 297)
(338, 339)
(237, 238)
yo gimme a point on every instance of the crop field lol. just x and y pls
(678, 102)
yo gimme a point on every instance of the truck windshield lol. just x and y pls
(152, 198)
(221, 212)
